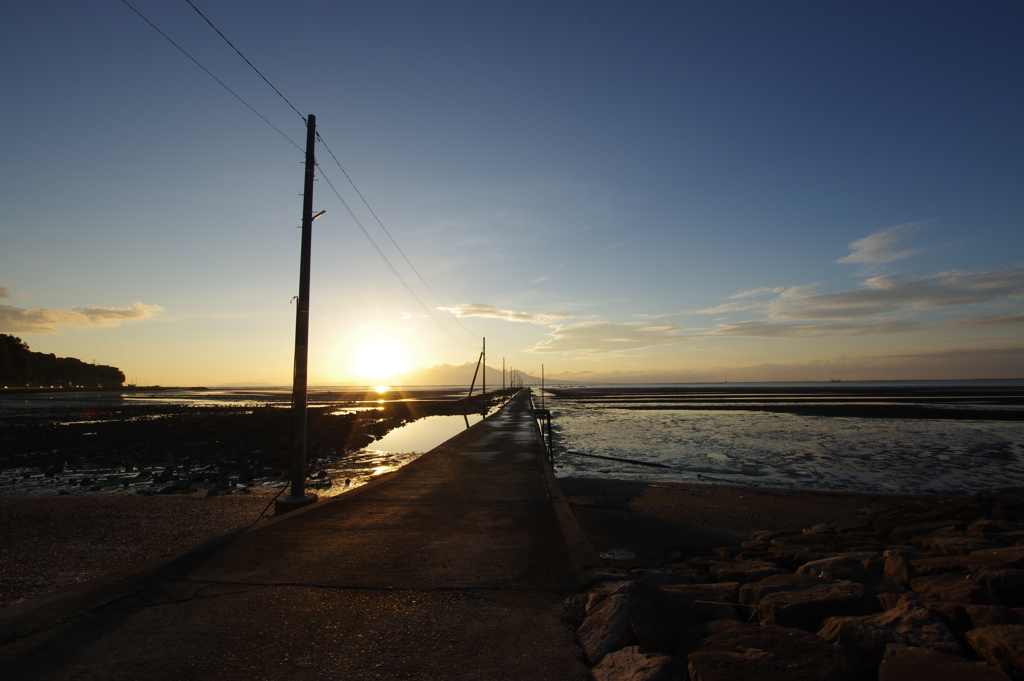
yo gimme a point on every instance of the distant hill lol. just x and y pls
(20, 367)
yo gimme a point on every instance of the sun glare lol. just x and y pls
(380, 356)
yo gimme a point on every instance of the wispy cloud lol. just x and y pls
(482, 310)
(757, 292)
(885, 245)
(889, 294)
(728, 307)
(599, 338)
(989, 320)
(962, 363)
(539, 279)
(659, 316)
(882, 305)
(18, 320)
(797, 291)
(4, 293)
(768, 329)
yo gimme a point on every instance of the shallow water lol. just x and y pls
(423, 434)
(789, 450)
(330, 475)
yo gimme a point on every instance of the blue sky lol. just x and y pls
(595, 186)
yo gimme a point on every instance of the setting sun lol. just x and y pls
(379, 356)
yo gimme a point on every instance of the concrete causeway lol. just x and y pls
(453, 567)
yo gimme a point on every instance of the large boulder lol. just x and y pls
(706, 601)
(724, 592)
(606, 629)
(957, 588)
(770, 653)
(745, 571)
(629, 664)
(751, 594)
(903, 532)
(849, 567)
(806, 608)
(907, 624)
(663, 577)
(961, 617)
(1006, 585)
(856, 525)
(903, 663)
(984, 527)
(960, 546)
(902, 569)
(1002, 645)
(598, 595)
(1011, 557)
(656, 617)
(803, 540)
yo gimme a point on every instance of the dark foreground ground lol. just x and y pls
(88, 490)
(54, 541)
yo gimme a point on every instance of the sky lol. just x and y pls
(644, 191)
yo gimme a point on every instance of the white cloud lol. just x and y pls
(797, 291)
(596, 338)
(888, 294)
(959, 363)
(883, 246)
(883, 305)
(769, 329)
(989, 320)
(758, 291)
(727, 307)
(17, 320)
(482, 310)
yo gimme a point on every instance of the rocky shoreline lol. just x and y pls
(915, 589)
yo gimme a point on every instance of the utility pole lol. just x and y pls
(483, 381)
(298, 497)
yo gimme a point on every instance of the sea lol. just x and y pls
(908, 437)
(911, 437)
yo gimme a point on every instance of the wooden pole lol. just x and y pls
(300, 376)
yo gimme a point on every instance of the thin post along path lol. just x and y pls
(452, 568)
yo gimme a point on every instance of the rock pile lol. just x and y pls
(925, 591)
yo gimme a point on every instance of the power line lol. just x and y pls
(388, 262)
(363, 229)
(196, 62)
(393, 238)
(362, 198)
(246, 60)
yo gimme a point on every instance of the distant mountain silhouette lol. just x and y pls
(20, 367)
(462, 374)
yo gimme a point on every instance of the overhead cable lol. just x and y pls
(392, 238)
(246, 60)
(388, 262)
(363, 229)
(196, 62)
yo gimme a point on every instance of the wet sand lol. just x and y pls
(724, 507)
